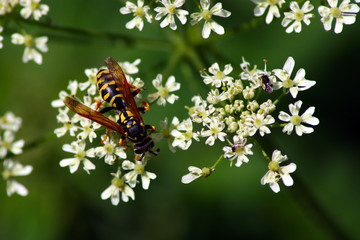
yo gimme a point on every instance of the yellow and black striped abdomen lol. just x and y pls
(108, 89)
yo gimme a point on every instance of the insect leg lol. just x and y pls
(153, 128)
(106, 109)
(145, 107)
(136, 92)
(106, 136)
(123, 143)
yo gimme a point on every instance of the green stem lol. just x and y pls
(279, 98)
(34, 144)
(112, 37)
(217, 162)
(266, 156)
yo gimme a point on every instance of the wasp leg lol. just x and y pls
(153, 128)
(122, 142)
(98, 104)
(141, 158)
(106, 109)
(106, 136)
(136, 92)
(145, 107)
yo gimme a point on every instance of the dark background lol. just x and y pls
(231, 203)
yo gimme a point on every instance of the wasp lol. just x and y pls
(115, 89)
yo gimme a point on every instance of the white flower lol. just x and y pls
(69, 124)
(34, 8)
(165, 132)
(201, 111)
(109, 150)
(13, 169)
(207, 14)
(90, 84)
(73, 86)
(7, 144)
(257, 121)
(215, 131)
(139, 12)
(276, 172)
(194, 173)
(298, 84)
(113, 191)
(10, 122)
(163, 93)
(238, 150)
(184, 134)
(88, 129)
(171, 9)
(130, 68)
(296, 120)
(344, 14)
(297, 15)
(219, 78)
(273, 9)
(78, 148)
(137, 168)
(6, 6)
(30, 43)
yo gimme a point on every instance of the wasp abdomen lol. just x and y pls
(108, 89)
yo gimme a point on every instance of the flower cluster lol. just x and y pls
(344, 13)
(32, 10)
(91, 142)
(169, 9)
(9, 147)
(234, 112)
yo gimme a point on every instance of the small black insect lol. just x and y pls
(266, 83)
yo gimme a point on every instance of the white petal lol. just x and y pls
(289, 65)
(188, 178)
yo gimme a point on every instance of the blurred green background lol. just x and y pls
(231, 203)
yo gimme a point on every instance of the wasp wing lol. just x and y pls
(91, 114)
(124, 86)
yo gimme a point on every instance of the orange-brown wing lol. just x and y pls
(123, 86)
(91, 114)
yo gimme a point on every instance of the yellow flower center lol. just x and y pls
(29, 41)
(109, 148)
(258, 123)
(80, 154)
(5, 144)
(139, 12)
(34, 5)
(188, 135)
(163, 92)
(172, 9)
(335, 12)
(273, 2)
(288, 83)
(239, 150)
(6, 174)
(219, 75)
(273, 166)
(299, 15)
(117, 182)
(139, 168)
(295, 120)
(206, 14)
